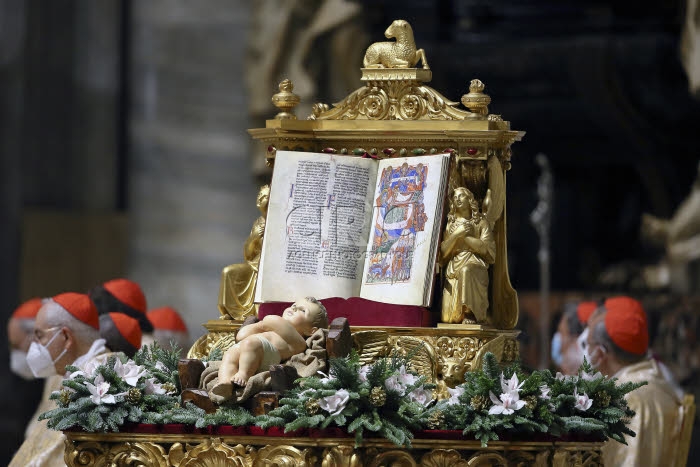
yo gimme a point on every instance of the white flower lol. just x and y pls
(454, 395)
(591, 376)
(99, 390)
(161, 366)
(563, 377)
(511, 385)
(544, 392)
(87, 370)
(336, 403)
(130, 372)
(405, 377)
(420, 395)
(326, 378)
(152, 387)
(583, 402)
(393, 383)
(400, 380)
(362, 374)
(509, 403)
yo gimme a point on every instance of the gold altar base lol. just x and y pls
(442, 354)
(193, 449)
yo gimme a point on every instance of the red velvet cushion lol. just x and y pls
(362, 312)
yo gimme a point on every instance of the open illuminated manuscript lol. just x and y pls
(341, 226)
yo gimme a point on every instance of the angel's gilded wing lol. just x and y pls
(370, 345)
(224, 342)
(422, 357)
(495, 200)
(495, 346)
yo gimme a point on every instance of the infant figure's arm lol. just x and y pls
(283, 329)
(267, 324)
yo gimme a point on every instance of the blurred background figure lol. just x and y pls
(20, 329)
(618, 342)
(66, 332)
(567, 354)
(168, 328)
(20, 333)
(121, 333)
(123, 296)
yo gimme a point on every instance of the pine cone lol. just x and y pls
(64, 397)
(602, 398)
(377, 396)
(169, 387)
(435, 420)
(311, 406)
(479, 402)
(133, 396)
(531, 402)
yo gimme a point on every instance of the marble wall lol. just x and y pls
(191, 196)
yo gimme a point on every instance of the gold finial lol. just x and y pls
(286, 100)
(476, 101)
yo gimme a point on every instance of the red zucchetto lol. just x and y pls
(28, 309)
(584, 310)
(626, 324)
(127, 292)
(166, 319)
(80, 306)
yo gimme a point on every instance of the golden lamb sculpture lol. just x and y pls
(399, 54)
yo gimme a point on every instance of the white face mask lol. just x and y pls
(582, 342)
(40, 361)
(19, 366)
(555, 350)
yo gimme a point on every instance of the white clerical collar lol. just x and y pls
(97, 348)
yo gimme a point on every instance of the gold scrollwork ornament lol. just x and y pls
(129, 454)
(87, 453)
(487, 459)
(393, 458)
(443, 458)
(211, 453)
(284, 456)
(341, 456)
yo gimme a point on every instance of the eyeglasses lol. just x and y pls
(39, 334)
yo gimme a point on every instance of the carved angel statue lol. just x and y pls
(467, 250)
(237, 288)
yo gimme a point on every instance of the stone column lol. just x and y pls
(191, 197)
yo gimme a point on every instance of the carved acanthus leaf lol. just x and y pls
(392, 100)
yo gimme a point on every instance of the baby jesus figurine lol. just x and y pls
(269, 342)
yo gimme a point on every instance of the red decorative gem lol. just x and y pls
(270, 148)
(450, 150)
(389, 151)
(472, 151)
(329, 150)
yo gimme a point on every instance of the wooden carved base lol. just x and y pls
(188, 450)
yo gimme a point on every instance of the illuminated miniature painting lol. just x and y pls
(399, 216)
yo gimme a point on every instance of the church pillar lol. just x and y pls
(191, 198)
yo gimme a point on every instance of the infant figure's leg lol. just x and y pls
(229, 367)
(251, 356)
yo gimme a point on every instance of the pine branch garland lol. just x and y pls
(384, 399)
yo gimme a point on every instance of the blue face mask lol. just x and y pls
(556, 349)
